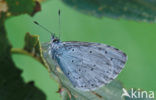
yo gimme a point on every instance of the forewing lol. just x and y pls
(90, 65)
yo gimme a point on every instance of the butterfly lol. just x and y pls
(88, 66)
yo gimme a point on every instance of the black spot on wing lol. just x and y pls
(92, 69)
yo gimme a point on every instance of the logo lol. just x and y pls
(137, 93)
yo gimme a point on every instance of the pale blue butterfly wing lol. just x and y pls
(88, 66)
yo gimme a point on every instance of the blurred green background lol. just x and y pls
(136, 39)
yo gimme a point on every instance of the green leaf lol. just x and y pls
(140, 10)
(30, 42)
(17, 7)
(12, 86)
(33, 47)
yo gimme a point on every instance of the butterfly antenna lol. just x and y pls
(59, 13)
(43, 28)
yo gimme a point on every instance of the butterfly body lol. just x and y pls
(87, 65)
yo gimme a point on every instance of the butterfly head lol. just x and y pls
(54, 39)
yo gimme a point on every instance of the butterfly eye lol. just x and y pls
(56, 40)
